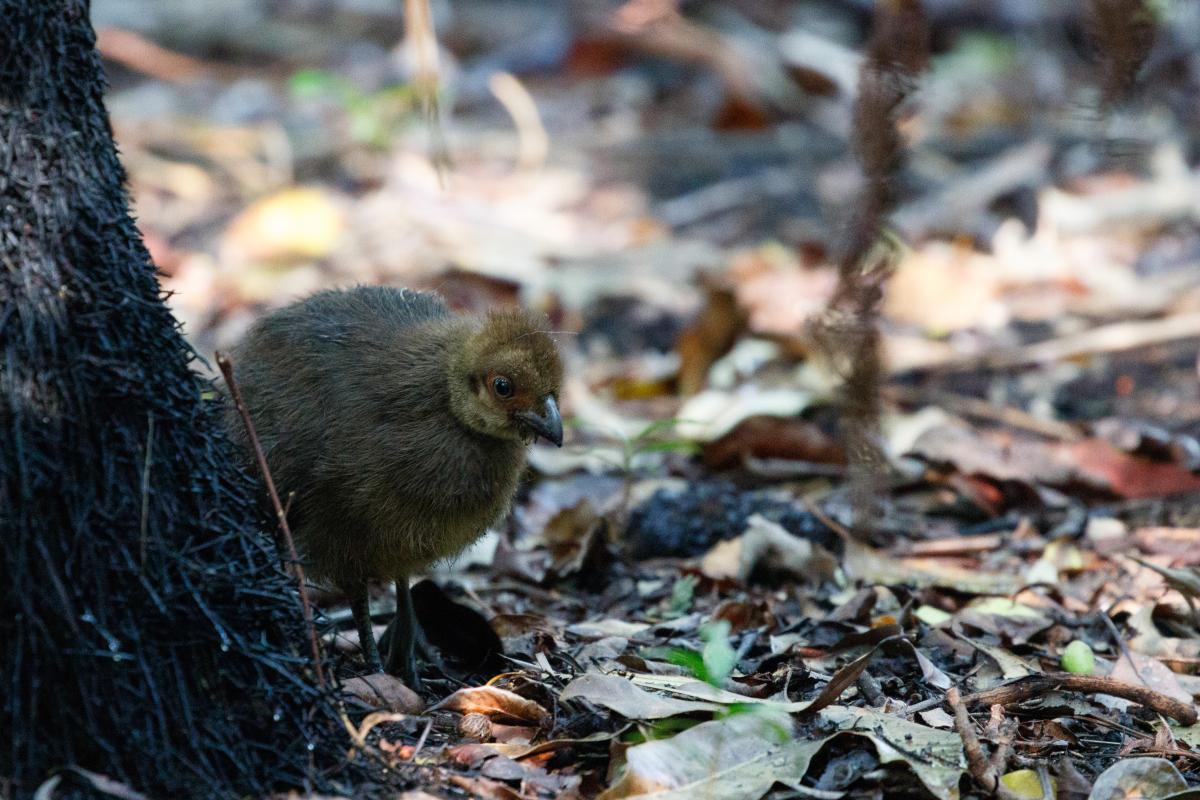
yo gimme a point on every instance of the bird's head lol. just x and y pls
(505, 377)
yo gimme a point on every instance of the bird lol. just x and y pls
(399, 431)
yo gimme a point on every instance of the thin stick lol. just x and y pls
(1044, 780)
(1027, 688)
(297, 569)
(1115, 337)
(981, 409)
(136, 52)
(421, 739)
(1035, 685)
(1120, 640)
(978, 765)
(841, 530)
(358, 734)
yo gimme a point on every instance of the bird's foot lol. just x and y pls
(406, 651)
(402, 663)
(430, 654)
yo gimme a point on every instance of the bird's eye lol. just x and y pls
(502, 386)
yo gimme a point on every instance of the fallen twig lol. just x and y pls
(1026, 688)
(1036, 685)
(966, 197)
(1114, 338)
(1009, 416)
(985, 771)
(1044, 779)
(280, 513)
(1120, 641)
(421, 739)
(358, 733)
(970, 544)
(132, 50)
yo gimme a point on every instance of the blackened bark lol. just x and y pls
(145, 630)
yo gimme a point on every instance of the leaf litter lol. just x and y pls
(684, 602)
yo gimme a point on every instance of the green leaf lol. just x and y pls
(669, 446)
(657, 426)
(683, 591)
(666, 728)
(690, 660)
(719, 656)
(311, 83)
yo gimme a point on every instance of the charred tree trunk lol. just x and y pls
(146, 632)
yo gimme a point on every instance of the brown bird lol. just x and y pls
(398, 429)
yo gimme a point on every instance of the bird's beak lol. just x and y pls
(548, 424)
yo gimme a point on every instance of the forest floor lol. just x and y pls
(686, 601)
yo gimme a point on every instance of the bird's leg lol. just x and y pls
(402, 649)
(360, 606)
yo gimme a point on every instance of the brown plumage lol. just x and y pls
(398, 429)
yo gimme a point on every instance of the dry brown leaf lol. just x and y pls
(1175, 542)
(789, 438)
(1149, 641)
(945, 287)
(714, 412)
(1149, 672)
(384, 691)
(497, 704)
(743, 615)
(723, 561)
(1003, 456)
(779, 295)
(735, 758)
(708, 338)
(1128, 475)
(1014, 622)
(874, 566)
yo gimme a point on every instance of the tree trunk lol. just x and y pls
(146, 631)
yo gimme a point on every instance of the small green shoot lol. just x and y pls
(714, 665)
(715, 662)
(658, 729)
(719, 656)
(371, 116)
(683, 591)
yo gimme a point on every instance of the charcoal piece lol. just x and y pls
(688, 523)
(622, 326)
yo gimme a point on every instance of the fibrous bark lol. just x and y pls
(146, 630)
